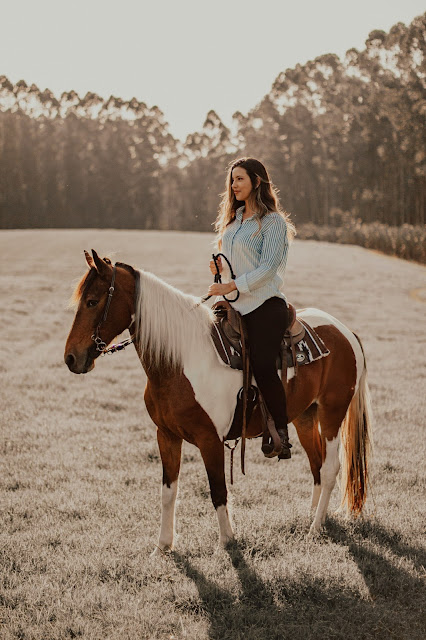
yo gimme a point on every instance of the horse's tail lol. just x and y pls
(356, 447)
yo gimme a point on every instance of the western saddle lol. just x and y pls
(228, 329)
(230, 339)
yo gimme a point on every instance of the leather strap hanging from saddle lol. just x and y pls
(236, 322)
(269, 430)
(246, 384)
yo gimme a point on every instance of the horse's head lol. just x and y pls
(91, 295)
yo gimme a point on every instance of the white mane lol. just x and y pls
(169, 324)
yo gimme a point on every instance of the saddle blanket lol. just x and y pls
(307, 350)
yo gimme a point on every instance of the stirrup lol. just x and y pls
(283, 452)
(269, 451)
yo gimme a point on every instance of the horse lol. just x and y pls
(191, 395)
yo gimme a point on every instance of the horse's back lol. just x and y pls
(317, 318)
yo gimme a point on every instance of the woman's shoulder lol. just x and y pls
(273, 218)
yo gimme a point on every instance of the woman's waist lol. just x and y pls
(247, 302)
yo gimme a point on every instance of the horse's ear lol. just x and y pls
(89, 259)
(101, 267)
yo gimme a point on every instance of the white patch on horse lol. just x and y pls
(225, 529)
(329, 471)
(290, 373)
(215, 388)
(316, 492)
(173, 326)
(317, 318)
(168, 501)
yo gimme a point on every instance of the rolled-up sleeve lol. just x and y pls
(274, 252)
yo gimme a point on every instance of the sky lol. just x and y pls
(185, 56)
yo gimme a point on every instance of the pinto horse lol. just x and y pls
(191, 395)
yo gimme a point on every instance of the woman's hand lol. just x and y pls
(218, 289)
(213, 266)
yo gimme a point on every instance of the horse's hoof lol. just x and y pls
(227, 541)
(314, 532)
(161, 551)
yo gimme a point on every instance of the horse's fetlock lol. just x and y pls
(225, 540)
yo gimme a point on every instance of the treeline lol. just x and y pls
(338, 135)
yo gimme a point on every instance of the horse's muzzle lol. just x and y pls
(79, 365)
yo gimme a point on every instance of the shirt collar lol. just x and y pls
(239, 214)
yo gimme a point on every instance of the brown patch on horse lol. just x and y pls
(169, 403)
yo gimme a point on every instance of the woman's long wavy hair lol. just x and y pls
(263, 198)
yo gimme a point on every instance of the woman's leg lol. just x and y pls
(266, 326)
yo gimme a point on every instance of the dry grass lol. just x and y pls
(81, 472)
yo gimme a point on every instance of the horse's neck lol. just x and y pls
(171, 324)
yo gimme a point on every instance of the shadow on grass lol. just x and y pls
(311, 607)
(378, 552)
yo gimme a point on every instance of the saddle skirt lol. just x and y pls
(301, 344)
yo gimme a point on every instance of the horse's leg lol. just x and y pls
(330, 419)
(170, 447)
(307, 430)
(213, 453)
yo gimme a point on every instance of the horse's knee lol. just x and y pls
(331, 465)
(219, 495)
(214, 461)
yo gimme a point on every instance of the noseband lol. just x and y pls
(100, 344)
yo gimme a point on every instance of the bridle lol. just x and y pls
(100, 344)
(114, 348)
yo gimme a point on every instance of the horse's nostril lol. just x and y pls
(70, 360)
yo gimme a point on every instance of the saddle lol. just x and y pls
(230, 338)
(301, 345)
(226, 335)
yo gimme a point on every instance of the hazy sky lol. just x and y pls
(186, 56)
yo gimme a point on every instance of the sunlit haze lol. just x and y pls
(186, 57)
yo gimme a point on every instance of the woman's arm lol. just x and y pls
(274, 250)
(219, 289)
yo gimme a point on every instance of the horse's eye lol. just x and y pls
(92, 303)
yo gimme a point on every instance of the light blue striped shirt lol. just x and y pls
(258, 258)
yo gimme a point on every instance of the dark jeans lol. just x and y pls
(266, 326)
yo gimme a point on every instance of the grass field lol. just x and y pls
(80, 482)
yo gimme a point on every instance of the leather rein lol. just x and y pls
(100, 344)
(218, 278)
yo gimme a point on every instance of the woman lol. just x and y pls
(253, 233)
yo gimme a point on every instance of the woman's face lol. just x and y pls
(241, 183)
